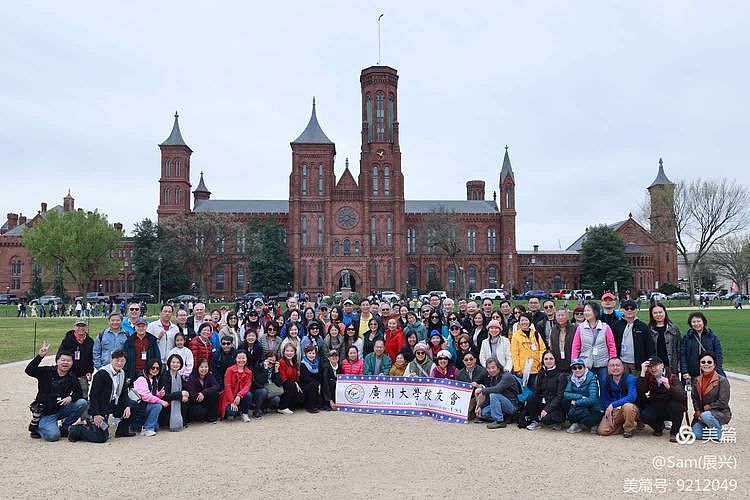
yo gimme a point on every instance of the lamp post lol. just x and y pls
(533, 266)
(159, 297)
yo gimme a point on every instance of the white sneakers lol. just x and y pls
(148, 432)
(534, 426)
(285, 411)
(574, 428)
(244, 417)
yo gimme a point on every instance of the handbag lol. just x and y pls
(273, 390)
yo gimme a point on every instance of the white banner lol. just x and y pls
(411, 396)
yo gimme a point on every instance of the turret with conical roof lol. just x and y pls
(313, 134)
(201, 192)
(174, 183)
(661, 177)
(663, 227)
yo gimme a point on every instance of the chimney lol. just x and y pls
(21, 219)
(44, 208)
(12, 220)
(475, 190)
(117, 226)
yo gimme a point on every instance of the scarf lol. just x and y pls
(578, 381)
(175, 407)
(397, 371)
(706, 382)
(312, 366)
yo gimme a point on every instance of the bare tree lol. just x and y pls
(439, 232)
(731, 259)
(705, 212)
(200, 239)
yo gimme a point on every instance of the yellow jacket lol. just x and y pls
(523, 348)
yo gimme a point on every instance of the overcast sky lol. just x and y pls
(587, 95)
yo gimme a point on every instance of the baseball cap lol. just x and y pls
(628, 303)
(81, 322)
(608, 295)
(578, 309)
(140, 321)
(655, 360)
(577, 361)
(348, 301)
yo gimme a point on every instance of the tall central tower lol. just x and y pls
(380, 178)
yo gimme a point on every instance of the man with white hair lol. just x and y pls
(447, 307)
(198, 317)
(292, 304)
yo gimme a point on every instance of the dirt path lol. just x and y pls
(338, 455)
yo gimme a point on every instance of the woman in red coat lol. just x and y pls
(289, 372)
(200, 345)
(236, 398)
(394, 338)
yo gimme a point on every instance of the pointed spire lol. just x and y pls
(661, 177)
(312, 134)
(506, 170)
(347, 164)
(201, 187)
(175, 137)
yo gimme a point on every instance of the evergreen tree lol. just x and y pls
(603, 261)
(149, 244)
(37, 286)
(268, 257)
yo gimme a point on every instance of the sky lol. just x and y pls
(587, 95)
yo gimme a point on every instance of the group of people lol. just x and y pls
(603, 369)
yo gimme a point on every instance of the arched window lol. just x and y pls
(347, 248)
(320, 230)
(241, 241)
(557, 282)
(320, 273)
(166, 196)
(320, 180)
(219, 242)
(389, 274)
(508, 195)
(177, 196)
(391, 116)
(389, 231)
(304, 179)
(167, 167)
(356, 247)
(411, 240)
(380, 117)
(336, 248)
(303, 273)
(471, 240)
(386, 181)
(373, 274)
(304, 230)
(491, 240)
(177, 168)
(431, 274)
(412, 276)
(472, 278)
(15, 273)
(373, 231)
(492, 277)
(375, 180)
(430, 240)
(240, 281)
(369, 118)
(219, 275)
(452, 277)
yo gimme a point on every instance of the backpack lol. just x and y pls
(524, 391)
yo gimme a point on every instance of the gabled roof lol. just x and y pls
(19, 229)
(346, 181)
(312, 134)
(661, 177)
(243, 206)
(457, 206)
(506, 170)
(578, 244)
(634, 248)
(175, 137)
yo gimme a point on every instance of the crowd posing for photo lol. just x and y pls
(601, 370)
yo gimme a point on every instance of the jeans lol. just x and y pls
(601, 375)
(68, 414)
(706, 420)
(243, 407)
(259, 397)
(498, 406)
(147, 416)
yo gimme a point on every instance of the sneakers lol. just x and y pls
(668, 424)
(312, 410)
(657, 433)
(556, 427)
(627, 434)
(285, 411)
(672, 439)
(245, 417)
(148, 432)
(497, 425)
(534, 426)
(574, 428)
(594, 430)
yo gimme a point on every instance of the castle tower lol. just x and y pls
(507, 202)
(663, 227)
(174, 183)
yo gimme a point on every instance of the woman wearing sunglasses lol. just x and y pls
(710, 398)
(443, 368)
(582, 392)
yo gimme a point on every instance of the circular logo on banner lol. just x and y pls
(354, 393)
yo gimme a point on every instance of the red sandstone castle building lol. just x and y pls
(362, 232)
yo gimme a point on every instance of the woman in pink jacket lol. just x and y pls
(150, 392)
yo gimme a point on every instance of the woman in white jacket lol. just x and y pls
(185, 353)
(496, 346)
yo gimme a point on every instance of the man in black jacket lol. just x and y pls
(632, 338)
(109, 396)
(475, 374)
(81, 345)
(59, 394)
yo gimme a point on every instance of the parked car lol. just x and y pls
(561, 294)
(250, 296)
(539, 294)
(488, 293)
(47, 299)
(185, 298)
(707, 295)
(658, 297)
(728, 296)
(93, 297)
(122, 296)
(148, 298)
(8, 298)
(390, 296)
(678, 296)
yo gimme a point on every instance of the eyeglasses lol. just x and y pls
(455, 328)
(269, 329)
(420, 352)
(444, 358)
(464, 342)
(549, 307)
(578, 314)
(629, 308)
(435, 317)
(226, 343)
(134, 309)
(576, 368)
(707, 362)
(333, 354)
(155, 367)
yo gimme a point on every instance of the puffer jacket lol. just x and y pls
(550, 385)
(692, 347)
(586, 396)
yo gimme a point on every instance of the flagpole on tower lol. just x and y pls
(379, 18)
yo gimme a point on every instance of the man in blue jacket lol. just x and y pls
(618, 398)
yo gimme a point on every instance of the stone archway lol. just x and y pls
(353, 278)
